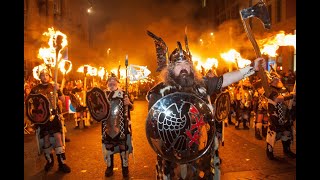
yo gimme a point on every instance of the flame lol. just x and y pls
(49, 54)
(101, 72)
(272, 44)
(37, 69)
(62, 66)
(209, 63)
(92, 71)
(122, 72)
(234, 57)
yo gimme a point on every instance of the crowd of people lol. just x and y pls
(181, 112)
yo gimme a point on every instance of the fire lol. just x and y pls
(49, 54)
(101, 72)
(209, 63)
(271, 45)
(87, 69)
(37, 69)
(63, 64)
(233, 56)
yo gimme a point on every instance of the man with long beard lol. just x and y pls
(180, 76)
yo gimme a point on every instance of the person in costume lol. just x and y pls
(51, 131)
(81, 109)
(280, 124)
(261, 113)
(117, 127)
(174, 129)
(245, 106)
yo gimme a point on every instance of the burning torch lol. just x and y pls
(58, 47)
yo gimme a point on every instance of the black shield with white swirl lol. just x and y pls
(98, 104)
(180, 127)
(222, 105)
(38, 108)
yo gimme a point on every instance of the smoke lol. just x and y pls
(123, 25)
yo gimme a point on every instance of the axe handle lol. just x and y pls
(256, 48)
(250, 35)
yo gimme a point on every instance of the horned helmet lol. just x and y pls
(178, 54)
(112, 76)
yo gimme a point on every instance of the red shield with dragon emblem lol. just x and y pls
(98, 104)
(37, 108)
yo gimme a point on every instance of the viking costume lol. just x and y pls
(245, 106)
(182, 126)
(261, 113)
(280, 123)
(115, 131)
(78, 100)
(37, 108)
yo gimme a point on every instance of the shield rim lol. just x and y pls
(211, 140)
(48, 102)
(104, 96)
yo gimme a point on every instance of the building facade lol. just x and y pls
(283, 18)
(67, 16)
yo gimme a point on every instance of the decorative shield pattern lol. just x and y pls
(38, 108)
(98, 104)
(180, 127)
(222, 105)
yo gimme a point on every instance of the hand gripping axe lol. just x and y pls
(259, 11)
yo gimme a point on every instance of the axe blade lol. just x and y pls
(259, 11)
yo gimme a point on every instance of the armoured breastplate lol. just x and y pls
(115, 119)
(46, 90)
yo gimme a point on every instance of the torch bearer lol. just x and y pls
(58, 47)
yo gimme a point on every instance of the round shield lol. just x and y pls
(222, 105)
(37, 108)
(98, 104)
(180, 127)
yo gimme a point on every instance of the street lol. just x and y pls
(243, 156)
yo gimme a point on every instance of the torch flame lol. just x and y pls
(37, 69)
(234, 57)
(49, 54)
(271, 45)
(62, 66)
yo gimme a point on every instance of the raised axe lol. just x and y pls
(259, 11)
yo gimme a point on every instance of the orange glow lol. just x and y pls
(62, 66)
(207, 64)
(37, 69)
(92, 71)
(271, 45)
(49, 54)
(232, 56)
(101, 72)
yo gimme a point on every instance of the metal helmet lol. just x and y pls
(113, 76)
(45, 71)
(179, 55)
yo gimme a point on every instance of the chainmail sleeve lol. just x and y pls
(214, 84)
